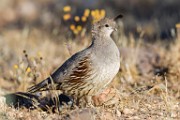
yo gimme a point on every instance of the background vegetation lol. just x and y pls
(37, 36)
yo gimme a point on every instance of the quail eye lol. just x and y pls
(106, 25)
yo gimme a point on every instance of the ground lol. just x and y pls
(146, 87)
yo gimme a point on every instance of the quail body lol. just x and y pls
(88, 72)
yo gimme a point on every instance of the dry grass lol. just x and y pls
(135, 93)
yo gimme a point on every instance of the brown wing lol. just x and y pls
(73, 71)
(79, 79)
(82, 71)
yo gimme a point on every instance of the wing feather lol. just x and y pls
(81, 71)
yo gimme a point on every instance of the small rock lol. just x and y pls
(118, 113)
(2, 101)
(83, 114)
(173, 114)
(128, 111)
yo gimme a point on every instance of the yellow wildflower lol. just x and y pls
(67, 8)
(83, 18)
(28, 70)
(102, 13)
(79, 28)
(75, 31)
(16, 66)
(96, 12)
(86, 12)
(93, 13)
(72, 27)
(76, 18)
(66, 17)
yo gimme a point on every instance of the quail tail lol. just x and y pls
(44, 85)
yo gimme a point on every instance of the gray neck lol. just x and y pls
(99, 39)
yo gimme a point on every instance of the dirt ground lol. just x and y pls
(146, 87)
